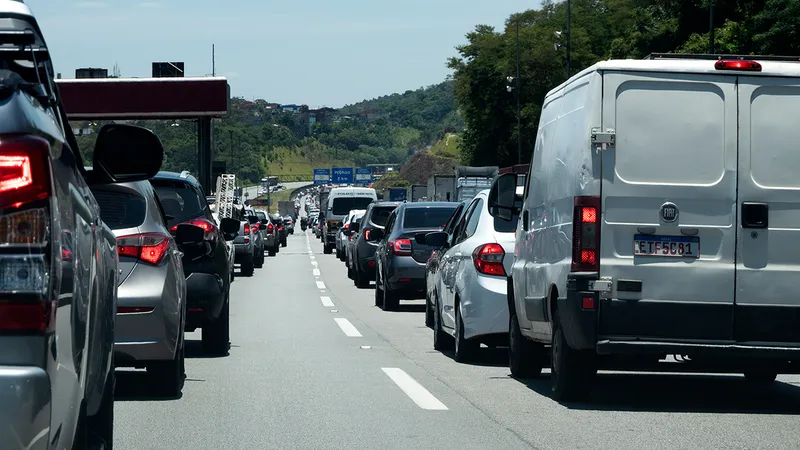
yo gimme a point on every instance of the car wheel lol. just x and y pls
(571, 370)
(465, 349)
(283, 243)
(428, 311)
(378, 292)
(98, 430)
(259, 261)
(167, 376)
(351, 274)
(525, 357)
(326, 249)
(390, 299)
(441, 340)
(272, 252)
(361, 279)
(216, 335)
(247, 268)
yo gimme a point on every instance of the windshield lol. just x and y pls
(179, 200)
(343, 205)
(429, 217)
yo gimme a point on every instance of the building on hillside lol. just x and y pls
(372, 115)
(290, 108)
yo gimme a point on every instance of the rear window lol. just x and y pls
(380, 215)
(180, 201)
(261, 215)
(121, 209)
(427, 217)
(343, 205)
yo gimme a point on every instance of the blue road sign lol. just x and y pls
(322, 176)
(342, 175)
(363, 175)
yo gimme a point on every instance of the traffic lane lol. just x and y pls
(295, 379)
(252, 191)
(625, 411)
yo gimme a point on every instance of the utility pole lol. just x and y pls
(230, 132)
(519, 120)
(569, 37)
(711, 29)
(213, 61)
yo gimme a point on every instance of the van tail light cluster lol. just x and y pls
(488, 259)
(586, 234)
(737, 64)
(207, 226)
(400, 247)
(26, 305)
(147, 247)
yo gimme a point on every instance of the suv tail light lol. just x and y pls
(270, 228)
(207, 226)
(147, 247)
(400, 247)
(366, 234)
(586, 235)
(255, 227)
(24, 171)
(488, 259)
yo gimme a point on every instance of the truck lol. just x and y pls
(286, 208)
(441, 188)
(472, 180)
(419, 193)
(397, 194)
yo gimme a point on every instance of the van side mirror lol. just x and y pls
(502, 197)
(436, 239)
(125, 153)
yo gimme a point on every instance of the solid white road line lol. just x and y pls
(326, 301)
(321, 284)
(316, 272)
(421, 396)
(347, 327)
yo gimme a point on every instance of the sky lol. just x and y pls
(317, 52)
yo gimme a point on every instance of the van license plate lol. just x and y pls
(670, 246)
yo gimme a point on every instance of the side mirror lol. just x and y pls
(502, 197)
(253, 220)
(376, 235)
(347, 232)
(187, 234)
(436, 239)
(229, 226)
(355, 227)
(124, 153)
(264, 222)
(419, 238)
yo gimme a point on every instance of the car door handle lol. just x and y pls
(755, 215)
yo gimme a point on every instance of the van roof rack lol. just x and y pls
(720, 56)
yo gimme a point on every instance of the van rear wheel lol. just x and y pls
(572, 371)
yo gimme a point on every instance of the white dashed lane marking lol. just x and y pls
(421, 396)
(347, 327)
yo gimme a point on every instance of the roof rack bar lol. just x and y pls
(721, 56)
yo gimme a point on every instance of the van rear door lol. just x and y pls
(669, 205)
(768, 263)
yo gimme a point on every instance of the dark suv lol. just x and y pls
(58, 259)
(400, 260)
(208, 274)
(361, 259)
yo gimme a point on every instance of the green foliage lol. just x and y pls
(601, 29)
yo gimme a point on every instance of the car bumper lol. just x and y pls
(407, 277)
(205, 296)
(151, 335)
(270, 241)
(485, 308)
(244, 253)
(25, 407)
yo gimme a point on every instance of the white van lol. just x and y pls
(661, 217)
(340, 202)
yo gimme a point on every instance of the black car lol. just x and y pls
(207, 273)
(433, 262)
(57, 256)
(400, 259)
(277, 220)
(361, 258)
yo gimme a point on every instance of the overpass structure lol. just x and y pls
(200, 99)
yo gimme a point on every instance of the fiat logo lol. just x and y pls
(669, 212)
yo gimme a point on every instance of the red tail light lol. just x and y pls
(400, 247)
(205, 224)
(366, 234)
(270, 228)
(586, 235)
(24, 317)
(347, 226)
(745, 66)
(488, 259)
(255, 227)
(147, 247)
(24, 171)
(280, 228)
(247, 228)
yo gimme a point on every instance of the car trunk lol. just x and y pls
(123, 209)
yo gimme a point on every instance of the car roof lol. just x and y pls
(15, 7)
(184, 177)
(416, 205)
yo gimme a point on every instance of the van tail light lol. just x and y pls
(207, 226)
(736, 64)
(488, 259)
(24, 171)
(147, 247)
(400, 247)
(270, 228)
(586, 235)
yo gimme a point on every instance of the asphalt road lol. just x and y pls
(252, 191)
(315, 365)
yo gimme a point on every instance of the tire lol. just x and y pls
(441, 340)
(572, 370)
(525, 357)
(378, 292)
(760, 376)
(216, 335)
(390, 300)
(339, 254)
(465, 350)
(272, 252)
(248, 268)
(428, 312)
(326, 249)
(351, 274)
(259, 261)
(99, 428)
(283, 243)
(167, 376)
(361, 281)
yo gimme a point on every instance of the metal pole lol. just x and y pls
(519, 120)
(230, 133)
(711, 30)
(569, 37)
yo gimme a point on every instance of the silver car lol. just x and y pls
(151, 304)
